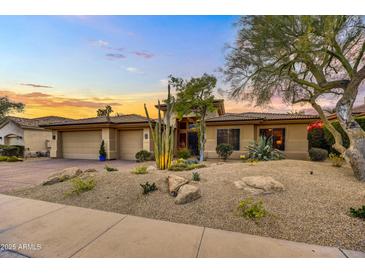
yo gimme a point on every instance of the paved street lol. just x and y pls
(35, 171)
(30, 228)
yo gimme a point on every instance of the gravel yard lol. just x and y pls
(313, 208)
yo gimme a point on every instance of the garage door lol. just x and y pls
(81, 144)
(130, 142)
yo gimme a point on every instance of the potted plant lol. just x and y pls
(102, 152)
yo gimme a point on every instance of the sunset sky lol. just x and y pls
(71, 65)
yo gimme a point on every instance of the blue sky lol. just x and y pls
(108, 56)
(72, 65)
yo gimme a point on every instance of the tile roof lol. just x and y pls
(36, 122)
(128, 118)
(251, 116)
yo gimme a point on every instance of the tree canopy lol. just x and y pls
(7, 106)
(104, 112)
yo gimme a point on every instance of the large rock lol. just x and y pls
(187, 194)
(66, 174)
(174, 183)
(151, 168)
(259, 185)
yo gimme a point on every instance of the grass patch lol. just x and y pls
(81, 185)
(140, 170)
(358, 213)
(110, 169)
(10, 159)
(182, 164)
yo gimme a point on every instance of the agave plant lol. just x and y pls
(163, 134)
(264, 151)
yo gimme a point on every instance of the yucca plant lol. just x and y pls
(264, 151)
(163, 133)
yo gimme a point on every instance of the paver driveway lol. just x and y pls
(35, 171)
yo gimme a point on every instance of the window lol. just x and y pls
(229, 136)
(277, 134)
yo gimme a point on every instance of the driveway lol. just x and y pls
(35, 171)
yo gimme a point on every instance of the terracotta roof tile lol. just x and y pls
(247, 116)
(36, 122)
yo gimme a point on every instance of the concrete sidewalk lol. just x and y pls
(30, 228)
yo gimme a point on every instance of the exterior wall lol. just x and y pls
(246, 137)
(12, 129)
(37, 140)
(56, 144)
(296, 143)
(146, 139)
(109, 135)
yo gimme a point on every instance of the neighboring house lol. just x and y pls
(357, 112)
(125, 135)
(28, 133)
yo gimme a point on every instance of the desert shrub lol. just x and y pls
(337, 160)
(196, 176)
(183, 153)
(264, 151)
(252, 161)
(12, 150)
(147, 187)
(140, 170)
(250, 209)
(358, 213)
(224, 151)
(80, 185)
(102, 151)
(143, 155)
(318, 154)
(110, 169)
(3, 158)
(182, 164)
(13, 159)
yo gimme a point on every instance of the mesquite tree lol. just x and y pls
(105, 112)
(195, 96)
(302, 59)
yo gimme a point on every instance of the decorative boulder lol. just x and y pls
(90, 170)
(174, 183)
(259, 185)
(66, 174)
(187, 194)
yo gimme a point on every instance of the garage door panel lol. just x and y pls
(130, 142)
(81, 144)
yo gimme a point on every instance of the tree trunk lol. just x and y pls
(338, 145)
(356, 151)
(202, 138)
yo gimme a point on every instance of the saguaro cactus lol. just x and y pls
(163, 133)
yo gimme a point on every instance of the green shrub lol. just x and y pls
(182, 164)
(12, 150)
(147, 187)
(143, 155)
(183, 153)
(81, 185)
(249, 209)
(264, 151)
(140, 170)
(110, 169)
(358, 213)
(318, 154)
(337, 160)
(224, 151)
(13, 159)
(3, 158)
(317, 138)
(196, 176)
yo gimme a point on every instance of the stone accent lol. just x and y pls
(66, 174)
(187, 194)
(259, 185)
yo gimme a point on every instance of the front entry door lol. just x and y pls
(193, 142)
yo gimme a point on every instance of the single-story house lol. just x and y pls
(28, 133)
(125, 135)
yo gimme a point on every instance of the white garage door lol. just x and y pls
(81, 144)
(130, 142)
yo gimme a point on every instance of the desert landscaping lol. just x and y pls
(310, 202)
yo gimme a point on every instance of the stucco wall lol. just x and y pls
(12, 128)
(246, 137)
(296, 144)
(36, 140)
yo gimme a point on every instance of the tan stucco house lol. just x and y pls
(125, 135)
(28, 133)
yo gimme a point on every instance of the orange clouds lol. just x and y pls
(42, 104)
